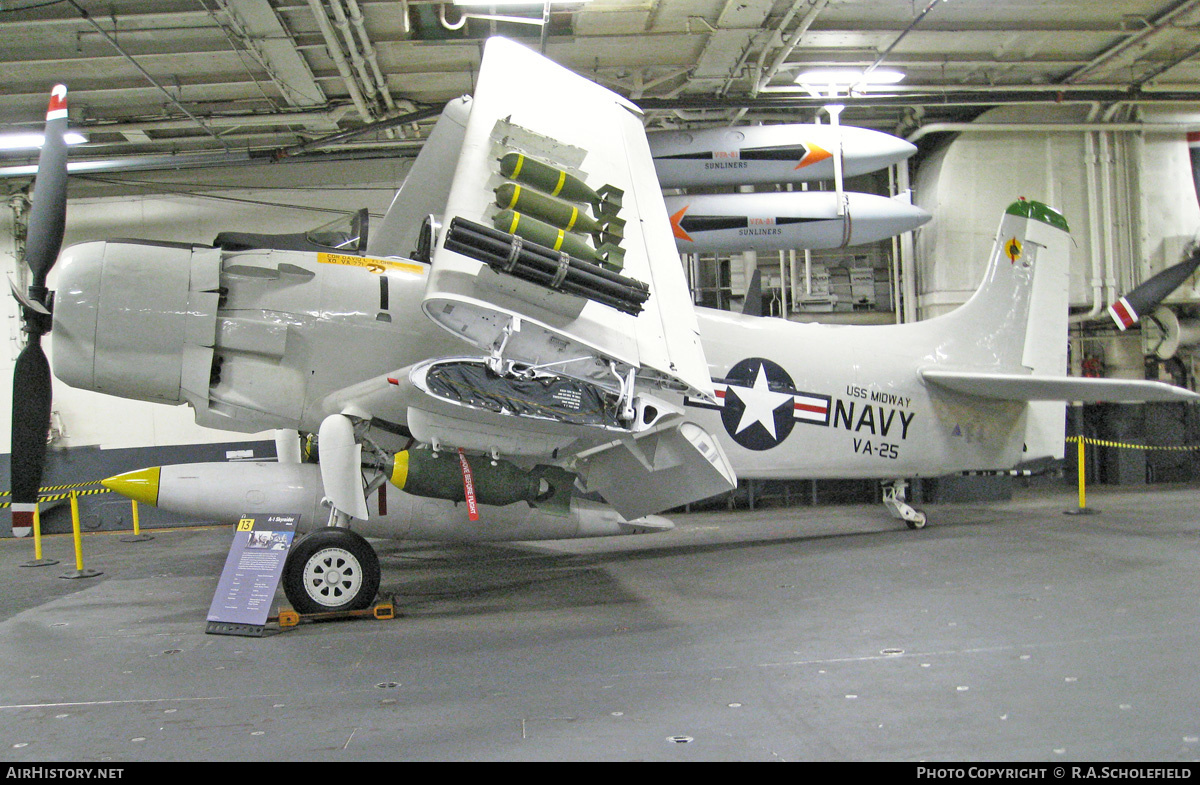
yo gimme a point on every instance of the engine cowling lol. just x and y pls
(118, 330)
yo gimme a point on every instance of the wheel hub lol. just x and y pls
(332, 576)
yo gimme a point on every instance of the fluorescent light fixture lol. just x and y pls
(848, 77)
(34, 141)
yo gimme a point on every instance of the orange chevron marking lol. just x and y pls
(813, 155)
(676, 229)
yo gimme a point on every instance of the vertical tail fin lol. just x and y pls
(1018, 316)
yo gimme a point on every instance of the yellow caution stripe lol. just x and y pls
(68, 486)
(512, 202)
(1125, 446)
(60, 496)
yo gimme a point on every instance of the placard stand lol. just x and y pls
(252, 571)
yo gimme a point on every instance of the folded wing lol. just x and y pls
(555, 259)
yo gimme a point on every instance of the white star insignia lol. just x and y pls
(760, 404)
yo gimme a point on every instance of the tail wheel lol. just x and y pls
(331, 569)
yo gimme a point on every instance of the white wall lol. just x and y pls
(100, 211)
(1146, 204)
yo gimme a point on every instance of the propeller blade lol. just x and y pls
(31, 373)
(341, 466)
(1146, 297)
(48, 213)
(30, 425)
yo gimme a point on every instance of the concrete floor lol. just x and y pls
(1002, 632)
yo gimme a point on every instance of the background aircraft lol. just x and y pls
(507, 388)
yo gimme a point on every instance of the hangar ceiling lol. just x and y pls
(215, 81)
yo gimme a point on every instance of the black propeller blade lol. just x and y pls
(1144, 298)
(49, 211)
(31, 374)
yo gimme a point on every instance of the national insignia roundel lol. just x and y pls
(759, 404)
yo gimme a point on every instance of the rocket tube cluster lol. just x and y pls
(541, 265)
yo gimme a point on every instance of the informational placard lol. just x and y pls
(252, 571)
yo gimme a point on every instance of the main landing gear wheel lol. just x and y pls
(331, 569)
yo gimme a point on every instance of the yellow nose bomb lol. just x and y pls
(140, 485)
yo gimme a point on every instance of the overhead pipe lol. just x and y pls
(1163, 22)
(342, 22)
(1046, 127)
(332, 116)
(1098, 261)
(370, 82)
(793, 40)
(339, 59)
(372, 56)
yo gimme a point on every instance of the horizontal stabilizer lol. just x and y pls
(1020, 387)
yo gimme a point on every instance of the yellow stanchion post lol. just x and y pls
(1083, 509)
(137, 535)
(38, 561)
(79, 572)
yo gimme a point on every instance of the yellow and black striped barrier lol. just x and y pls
(47, 493)
(1126, 446)
(1083, 509)
(72, 491)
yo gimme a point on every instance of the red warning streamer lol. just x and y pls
(468, 486)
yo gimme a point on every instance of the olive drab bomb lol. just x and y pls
(556, 182)
(564, 215)
(551, 211)
(557, 239)
(498, 482)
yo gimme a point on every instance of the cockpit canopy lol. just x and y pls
(346, 234)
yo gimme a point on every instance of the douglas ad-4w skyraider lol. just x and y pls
(535, 369)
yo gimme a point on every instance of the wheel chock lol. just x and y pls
(290, 618)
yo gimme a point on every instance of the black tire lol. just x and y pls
(331, 569)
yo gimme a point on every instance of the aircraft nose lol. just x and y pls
(120, 317)
(76, 304)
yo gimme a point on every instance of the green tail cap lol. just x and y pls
(1027, 208)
